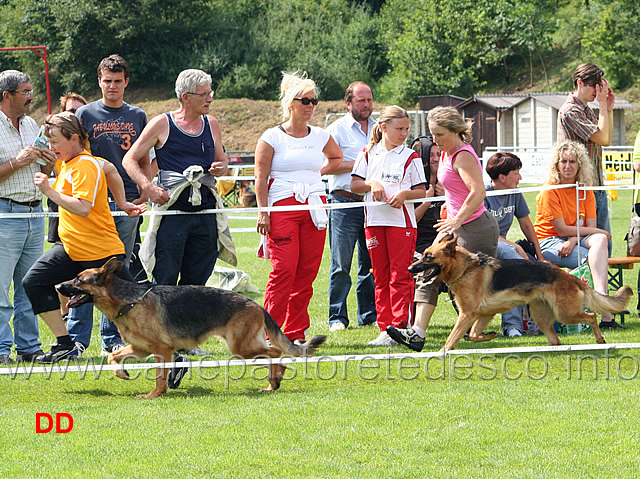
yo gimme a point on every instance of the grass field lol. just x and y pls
(522, 415)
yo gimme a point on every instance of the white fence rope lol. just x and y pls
(330, 206)
(67, 367)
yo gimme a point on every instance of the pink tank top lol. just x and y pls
(455, 191)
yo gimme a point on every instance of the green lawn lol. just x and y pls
(526, 415)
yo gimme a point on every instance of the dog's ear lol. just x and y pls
(113, 266)
(452, 242)
(449, 237)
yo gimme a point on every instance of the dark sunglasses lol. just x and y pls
(305, 101)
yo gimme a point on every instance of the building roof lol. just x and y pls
(555, 100)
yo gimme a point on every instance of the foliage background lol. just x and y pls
(404, 48)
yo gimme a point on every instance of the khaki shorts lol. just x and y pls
(478, 236)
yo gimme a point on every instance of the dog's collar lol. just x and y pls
(128, 307)
(466, 272)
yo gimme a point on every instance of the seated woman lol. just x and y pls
(556, 219)
(86, 227)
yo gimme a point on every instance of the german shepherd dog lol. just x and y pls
(484, 286)
(159, 320)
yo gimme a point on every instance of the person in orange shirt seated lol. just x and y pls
(86, 227)
(556, 220)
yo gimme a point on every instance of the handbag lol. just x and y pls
(633, 237)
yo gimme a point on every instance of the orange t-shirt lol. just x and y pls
(560, 203)
(94, 237)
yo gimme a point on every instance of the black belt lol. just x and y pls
(348, 194)
(31, 204)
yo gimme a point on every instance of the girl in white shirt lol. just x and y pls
(389, 172)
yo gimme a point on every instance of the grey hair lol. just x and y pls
(188, 80)
(10, 81)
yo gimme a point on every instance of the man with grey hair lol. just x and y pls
(182, 249)
(22, 239)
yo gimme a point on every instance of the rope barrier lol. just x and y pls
(66, 367)
(328, 206)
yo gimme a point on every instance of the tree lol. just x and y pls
(613, 40)
(437, 46)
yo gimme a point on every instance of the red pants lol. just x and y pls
(295, 248)
(391, 250)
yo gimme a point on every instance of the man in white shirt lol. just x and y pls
(22, 239)
(346, 225)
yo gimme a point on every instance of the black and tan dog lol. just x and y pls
(484, 286)
(159, 320)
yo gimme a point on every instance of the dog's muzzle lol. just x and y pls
(428, 270)
(77, 297)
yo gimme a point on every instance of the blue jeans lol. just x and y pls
(22, 243)
(346, 228)
(602, 214)
(551, 245)
(80, 320)
(512, 318)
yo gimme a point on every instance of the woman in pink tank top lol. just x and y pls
(460, 173)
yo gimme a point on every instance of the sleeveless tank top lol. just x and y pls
(182, 150)
(455, 189)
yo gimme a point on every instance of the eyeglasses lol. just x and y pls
(24, 93)
(203, 95)
(305, 101)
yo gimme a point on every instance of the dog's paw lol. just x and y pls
(152, 395)
(483, 337)
(121, 373)
(267, 390)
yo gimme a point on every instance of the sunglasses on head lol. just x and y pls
(305, 101)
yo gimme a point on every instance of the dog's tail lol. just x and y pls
(277, 337)
(601, 303)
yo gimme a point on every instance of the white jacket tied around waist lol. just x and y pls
(175, 183)
(301, 192)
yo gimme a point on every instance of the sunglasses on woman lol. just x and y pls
(305, 101)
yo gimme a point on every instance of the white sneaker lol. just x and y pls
(382, 340)
(513, 333)
(112, 349)
(337, 327)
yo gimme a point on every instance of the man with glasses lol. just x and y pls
(21, 239)
(113, 127)
(188, 143)
(578, 122)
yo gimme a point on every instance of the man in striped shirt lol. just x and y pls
(22, 239)
(578, 122)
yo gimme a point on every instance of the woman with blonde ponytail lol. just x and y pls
(390, 173)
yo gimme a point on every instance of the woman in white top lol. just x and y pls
(290, 161)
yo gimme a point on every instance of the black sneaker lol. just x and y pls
(610, 325)
(408, 337)
(59, 352)
(29, 357)
(5, 359)
(195, 352)
(176, 374)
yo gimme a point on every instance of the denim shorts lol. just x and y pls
(551, 245)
